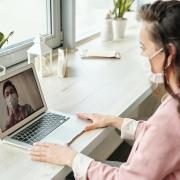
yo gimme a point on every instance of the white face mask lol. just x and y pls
(12, 100)
(156, 78)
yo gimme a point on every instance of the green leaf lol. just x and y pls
(3, 39)
(128, 4)
(1, 36)
(120, 7)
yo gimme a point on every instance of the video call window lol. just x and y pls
(19, 97)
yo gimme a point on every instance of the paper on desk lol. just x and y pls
(85, 53)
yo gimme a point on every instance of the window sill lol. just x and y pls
(83, 39)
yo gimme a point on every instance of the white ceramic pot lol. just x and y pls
(107, 30)
(119, 26)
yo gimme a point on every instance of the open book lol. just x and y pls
(85, 53)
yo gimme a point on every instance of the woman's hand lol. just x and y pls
(100, 121)
(52, 153)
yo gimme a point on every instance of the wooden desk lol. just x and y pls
(104, 86)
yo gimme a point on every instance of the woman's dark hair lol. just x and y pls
(9, 83)
(164, 16)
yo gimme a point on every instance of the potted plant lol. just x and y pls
(119, 22)
(4, 39)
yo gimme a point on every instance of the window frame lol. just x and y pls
(14, 54)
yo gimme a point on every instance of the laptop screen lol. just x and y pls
(20, 97)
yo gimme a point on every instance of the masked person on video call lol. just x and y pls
(155, 154)
(15, 111)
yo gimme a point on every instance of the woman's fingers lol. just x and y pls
(52, 153)
(39, 158)
(41, 144)
(39, 151)
(38, 154)
(85, 116)
(40, 148)
(90, 127)
(95, 118)
(88, 117)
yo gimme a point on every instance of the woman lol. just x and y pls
(156, 152)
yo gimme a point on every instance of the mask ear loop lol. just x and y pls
(168, 65)
(155, 54)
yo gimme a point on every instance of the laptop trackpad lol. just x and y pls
(66, 132)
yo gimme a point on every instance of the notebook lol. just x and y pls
(86, 54)
(24, 116)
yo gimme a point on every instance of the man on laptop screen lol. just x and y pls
(15, 111)
(19, 99)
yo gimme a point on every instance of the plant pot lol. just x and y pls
(107, 30)
(119, 26)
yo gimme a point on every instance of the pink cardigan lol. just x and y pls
(155, 154)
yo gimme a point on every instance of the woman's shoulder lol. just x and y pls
(168, 107)
(167, 117)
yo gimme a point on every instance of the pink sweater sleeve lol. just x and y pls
(153, 157)
(139, 128)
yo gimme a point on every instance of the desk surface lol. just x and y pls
(107, 86)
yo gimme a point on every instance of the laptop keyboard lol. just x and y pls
(40, 128)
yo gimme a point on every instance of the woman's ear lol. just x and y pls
(172, 53)
(172, 49)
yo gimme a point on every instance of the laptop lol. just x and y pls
(24, 116)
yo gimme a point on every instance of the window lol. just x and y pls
(90, 15)
(27, 18)
(23, 22)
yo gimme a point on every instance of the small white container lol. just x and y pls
(119, 26)
(62, 63)
(107, 30)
